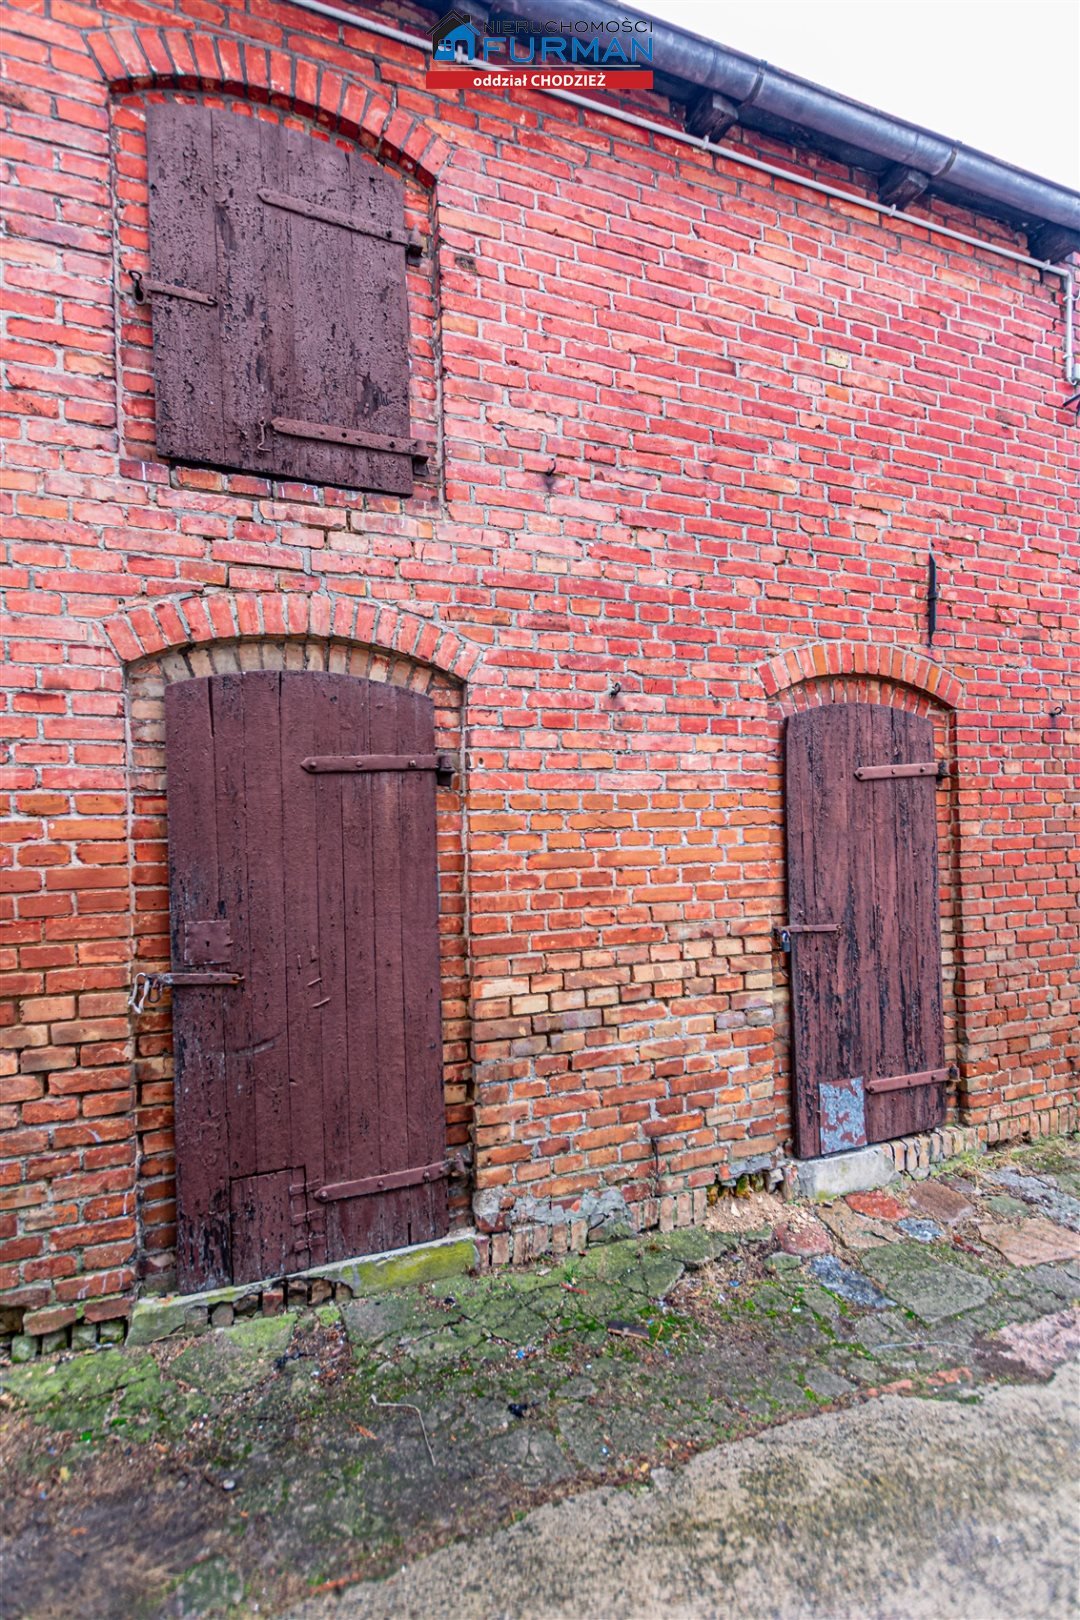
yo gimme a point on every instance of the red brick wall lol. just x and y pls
(696, 430)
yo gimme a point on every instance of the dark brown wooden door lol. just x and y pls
(310, 1122)
(864, 927)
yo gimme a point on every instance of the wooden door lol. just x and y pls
(864, 930)
(310, 1122)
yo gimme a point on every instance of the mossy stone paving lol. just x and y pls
(246, 1466)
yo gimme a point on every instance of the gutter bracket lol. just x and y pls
(900, 185)
(711, 115)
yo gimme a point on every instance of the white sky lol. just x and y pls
(1001, 75)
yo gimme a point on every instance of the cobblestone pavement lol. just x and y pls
(242, 1471)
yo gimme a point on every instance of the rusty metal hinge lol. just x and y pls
(369, 764)
(409, 240)
(905, 1082)
(356, 438)
(882, 773)
(367, 1185)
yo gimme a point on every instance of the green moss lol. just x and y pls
(77, 1394)
(434, 1260)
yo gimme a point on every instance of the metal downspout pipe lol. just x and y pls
(351, 19)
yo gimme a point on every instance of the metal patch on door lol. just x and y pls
(208, 939)
(842, 1114)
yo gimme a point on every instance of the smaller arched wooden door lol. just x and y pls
(310, 1123)
(863, 925)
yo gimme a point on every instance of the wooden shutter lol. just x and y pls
(183, 259)
(310, 1120)
(299, 367)
(864, 925)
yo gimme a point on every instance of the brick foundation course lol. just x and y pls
(697, 428)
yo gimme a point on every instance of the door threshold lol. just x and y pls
(162, 1316)
(835, 1174)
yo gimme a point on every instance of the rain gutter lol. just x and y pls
(1060, 206)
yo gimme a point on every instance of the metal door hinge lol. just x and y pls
(409, 240)
(388, 1182)
(356, 438)
(369, 764)
(882, 773)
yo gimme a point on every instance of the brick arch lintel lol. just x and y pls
(148, 58)
(900, 665)
(147, 629)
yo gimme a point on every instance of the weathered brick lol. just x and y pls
(678, 457)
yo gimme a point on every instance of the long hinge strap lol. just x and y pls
(905, 1082)
(882, 773)
(348, 222)
(365, 764)
(171, 289)
(368, 1185)
(328, 433)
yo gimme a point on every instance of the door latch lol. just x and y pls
(146, 988)
(784, 934)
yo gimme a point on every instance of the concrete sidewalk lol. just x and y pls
(900, 1510)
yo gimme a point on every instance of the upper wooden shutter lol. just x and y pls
(864, 925)
(298, 367)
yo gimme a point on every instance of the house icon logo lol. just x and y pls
(453, 38)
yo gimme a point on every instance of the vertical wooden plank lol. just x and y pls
(391, 1011)
(202, 1188)
(799, 802)
(329, 993)
(303, 976)
(262, 1228)
(250, 247)
(227, 708)
(425, 1102)
(183, 251)
(356, 1223)
(265, 989)
(916, 1037)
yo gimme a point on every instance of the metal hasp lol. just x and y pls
(365, 764)
(885, 773)
(377, 1184)
(192, 981)
(142, 285)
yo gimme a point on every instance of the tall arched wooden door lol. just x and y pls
(310, 1123)
(863, 929)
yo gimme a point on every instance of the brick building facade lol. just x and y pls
(694, 428)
